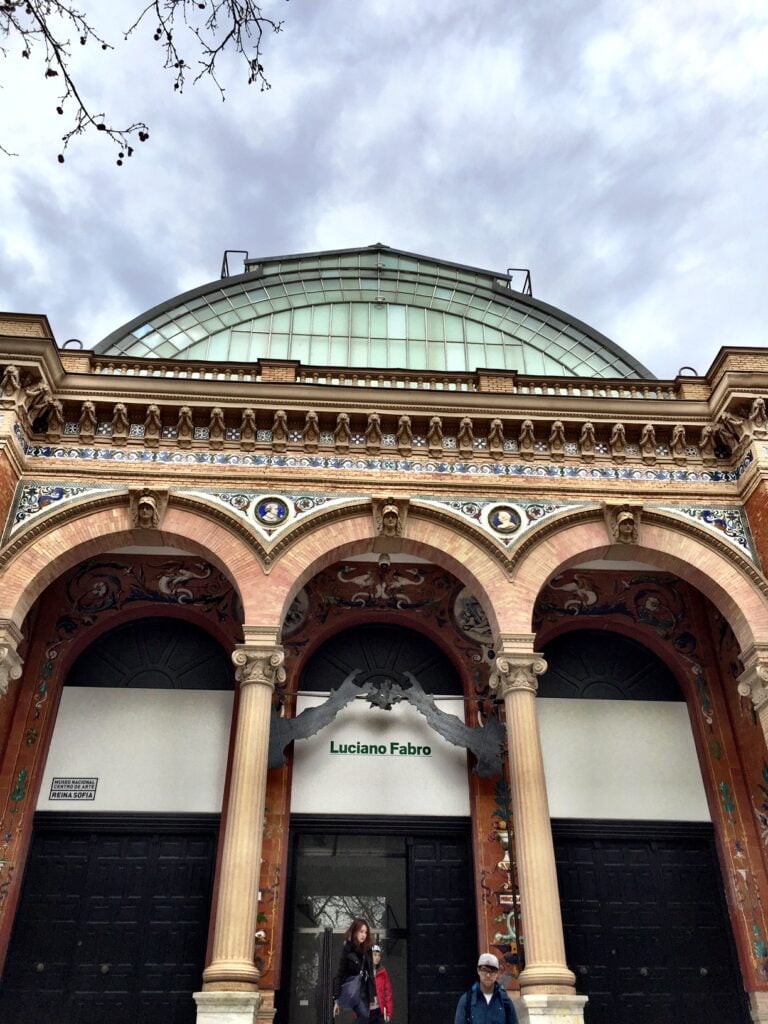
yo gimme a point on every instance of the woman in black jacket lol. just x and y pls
(356, 962)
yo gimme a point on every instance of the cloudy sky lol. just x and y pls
(618, 148)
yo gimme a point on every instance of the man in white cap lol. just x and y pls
(486, 1002)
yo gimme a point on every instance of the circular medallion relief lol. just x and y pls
(471, 619)
(271, 511)
(504, 519)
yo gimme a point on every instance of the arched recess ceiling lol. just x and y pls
(152, 654)
(372, 307)
(379, 651)
(601, 665)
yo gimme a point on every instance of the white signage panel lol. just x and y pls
(631, 759)
(371, 761)
(150, 750)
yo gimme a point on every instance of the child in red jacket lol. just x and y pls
(383, 985)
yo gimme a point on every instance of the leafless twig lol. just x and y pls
(45, 29)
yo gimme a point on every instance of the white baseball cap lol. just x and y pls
(488, 960)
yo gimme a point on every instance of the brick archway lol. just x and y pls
(688, 553)
(46, 556)
(454, 550)
(265, 592)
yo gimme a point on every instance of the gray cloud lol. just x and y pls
(619, 150)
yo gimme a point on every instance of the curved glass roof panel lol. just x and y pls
(372, 308)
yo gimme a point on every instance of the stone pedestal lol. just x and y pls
(550, 1009)
(229, 1007)
(758, 1007)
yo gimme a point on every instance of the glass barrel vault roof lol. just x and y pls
(371, 308)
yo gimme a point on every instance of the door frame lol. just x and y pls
(370, 825)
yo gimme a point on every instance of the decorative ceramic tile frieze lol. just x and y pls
(728, 521)
(323, 463)
(34, 498)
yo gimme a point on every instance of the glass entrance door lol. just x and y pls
(338, 878)
(414, 886)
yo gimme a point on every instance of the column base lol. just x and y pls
(231, 976)
(234, 1007)
(547, 979)
(758, 1007)
(550, 1009)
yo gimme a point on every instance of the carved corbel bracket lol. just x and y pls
(11, 664)
(10, 387)
(148, 506)
(389, 519)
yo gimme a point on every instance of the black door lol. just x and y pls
(645, 922)
(442, 925)
(113, 920)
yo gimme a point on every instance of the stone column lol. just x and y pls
(753, 682)
(10, 662)
(545, 972)
(259, 664)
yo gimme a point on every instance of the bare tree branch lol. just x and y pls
(209, 28)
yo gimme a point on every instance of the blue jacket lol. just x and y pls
(500, 1010)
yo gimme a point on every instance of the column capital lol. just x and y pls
(517, 664)
(753, 681)
(10, 663)
(260, 665)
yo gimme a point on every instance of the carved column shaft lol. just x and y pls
(515, 677)
(259, 668)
